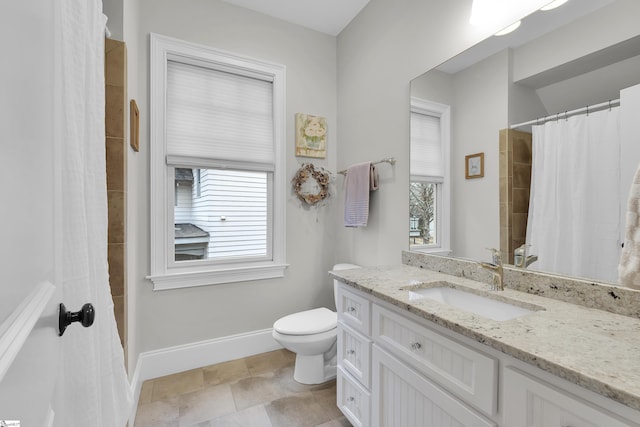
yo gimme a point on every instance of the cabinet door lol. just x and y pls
(354, 353)
(463, 371)
(353, 400)
(528, 402)
(403, 398)
(354, 310)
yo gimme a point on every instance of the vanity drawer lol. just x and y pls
(353, 400)
(354, 310)
(354, 354)
(465, 372)
(532, 403)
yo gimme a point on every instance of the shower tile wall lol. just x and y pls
(515, 185)
(116, 153)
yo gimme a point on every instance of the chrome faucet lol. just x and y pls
(521, 259)
(496, 269)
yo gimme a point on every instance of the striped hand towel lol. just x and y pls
(361, 179)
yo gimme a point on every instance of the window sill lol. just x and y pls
(163, 282)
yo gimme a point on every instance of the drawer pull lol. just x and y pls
(351, 352)
(351, 309)
(416, 346)
(351, 399)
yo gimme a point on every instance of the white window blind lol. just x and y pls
(213, 114)
(426, 147)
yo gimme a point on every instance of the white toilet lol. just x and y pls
(312, 336)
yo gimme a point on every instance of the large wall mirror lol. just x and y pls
(583, 57)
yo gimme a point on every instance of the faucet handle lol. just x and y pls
(496, 255)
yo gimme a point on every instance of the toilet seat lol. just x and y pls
(307, 322)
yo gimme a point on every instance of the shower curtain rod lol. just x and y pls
(566, 114)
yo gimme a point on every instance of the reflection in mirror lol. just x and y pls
(581, 54)
(429, 186)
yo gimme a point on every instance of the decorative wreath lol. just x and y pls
(310, 184)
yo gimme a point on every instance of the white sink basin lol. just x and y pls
(473, 303)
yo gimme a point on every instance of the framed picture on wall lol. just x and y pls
(311, 136)
(474, 166)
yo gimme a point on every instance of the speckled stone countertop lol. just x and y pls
(595, 349)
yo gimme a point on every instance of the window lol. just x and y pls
(429, 186)
(217, 166)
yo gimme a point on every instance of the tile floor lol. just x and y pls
(257, 391)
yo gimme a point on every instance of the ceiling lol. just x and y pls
(327, 16)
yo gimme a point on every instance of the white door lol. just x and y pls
(28, 213)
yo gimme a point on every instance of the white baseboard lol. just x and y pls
(171, 360)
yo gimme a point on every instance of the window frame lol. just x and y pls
(165, 272)
(443, 187)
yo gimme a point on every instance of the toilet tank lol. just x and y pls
(338, 267)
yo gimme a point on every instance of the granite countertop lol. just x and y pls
(595, 349)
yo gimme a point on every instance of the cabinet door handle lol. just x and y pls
(351, 309)
(351, 352)
(351, 399)
(416, 346)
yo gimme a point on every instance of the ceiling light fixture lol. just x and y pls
(496, 14)
(553, 5)
(508, 29)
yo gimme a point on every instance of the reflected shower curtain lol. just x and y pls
(574, 211)
(93, 380)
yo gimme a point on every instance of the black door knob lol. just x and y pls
(85, 316)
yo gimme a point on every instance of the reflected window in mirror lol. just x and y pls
(429, 183)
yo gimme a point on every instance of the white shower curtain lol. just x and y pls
(94, 384)
(574, 212)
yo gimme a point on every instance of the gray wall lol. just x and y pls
(366, 71)
(379, 53)
(360, 81)
(168, 318)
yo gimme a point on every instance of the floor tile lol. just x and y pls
(177, 384)
(162, 413)
(254, 391)
(256, 416)
(226, 372)
(341, 422)
(286, 382)
(269, 362)
(257, 391)
(145, 392)
(325, 395)
(300, 410)
(205, 404)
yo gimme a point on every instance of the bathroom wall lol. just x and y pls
(379, 53)
(161, 319)
(478, 100)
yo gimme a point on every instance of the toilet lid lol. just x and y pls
(307, 322)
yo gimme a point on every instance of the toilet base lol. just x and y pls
(313, 369)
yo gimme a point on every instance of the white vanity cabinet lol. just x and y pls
(403, 397)
(354, 356)
(396, 369)
(387, 365)
(465, 372)
(531, 402)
